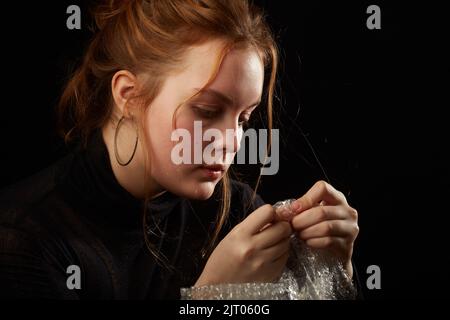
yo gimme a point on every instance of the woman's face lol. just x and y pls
(225, 105)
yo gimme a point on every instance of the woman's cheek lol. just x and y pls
(183, 179)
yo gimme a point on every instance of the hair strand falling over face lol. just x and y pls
(149, 37)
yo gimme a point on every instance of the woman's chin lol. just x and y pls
(202, 190)
(196, 190)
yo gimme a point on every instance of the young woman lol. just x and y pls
(118, 218)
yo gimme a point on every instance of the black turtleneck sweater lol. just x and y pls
(76, 213)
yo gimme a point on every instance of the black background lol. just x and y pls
(371, 104)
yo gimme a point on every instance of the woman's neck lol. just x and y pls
(132, 176)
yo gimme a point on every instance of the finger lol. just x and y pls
(330, 228)
(273, 234)
(258, 219)
(284, 213)
(320, 191)
(326, 242)
(274, 252)
(282, 258)
(318, 214)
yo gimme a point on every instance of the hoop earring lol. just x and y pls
(115, 145)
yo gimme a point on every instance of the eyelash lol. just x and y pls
(209, 114)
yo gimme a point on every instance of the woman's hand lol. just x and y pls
(256, 250)
(324, 219)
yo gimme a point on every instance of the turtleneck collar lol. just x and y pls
(91, 183)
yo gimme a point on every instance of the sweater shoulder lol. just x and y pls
(24, 199)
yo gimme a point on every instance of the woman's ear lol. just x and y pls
(123, 84)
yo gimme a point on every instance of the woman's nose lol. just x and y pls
(232, 134)
(229, 140)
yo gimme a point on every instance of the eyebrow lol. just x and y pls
(222, 97)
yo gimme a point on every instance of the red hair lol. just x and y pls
(149, 37)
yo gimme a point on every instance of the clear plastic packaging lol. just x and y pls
(310, 274)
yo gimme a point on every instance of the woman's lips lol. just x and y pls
(214, 171)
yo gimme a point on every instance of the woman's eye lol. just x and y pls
(206, 113)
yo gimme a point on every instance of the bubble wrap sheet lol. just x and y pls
(310, 274)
